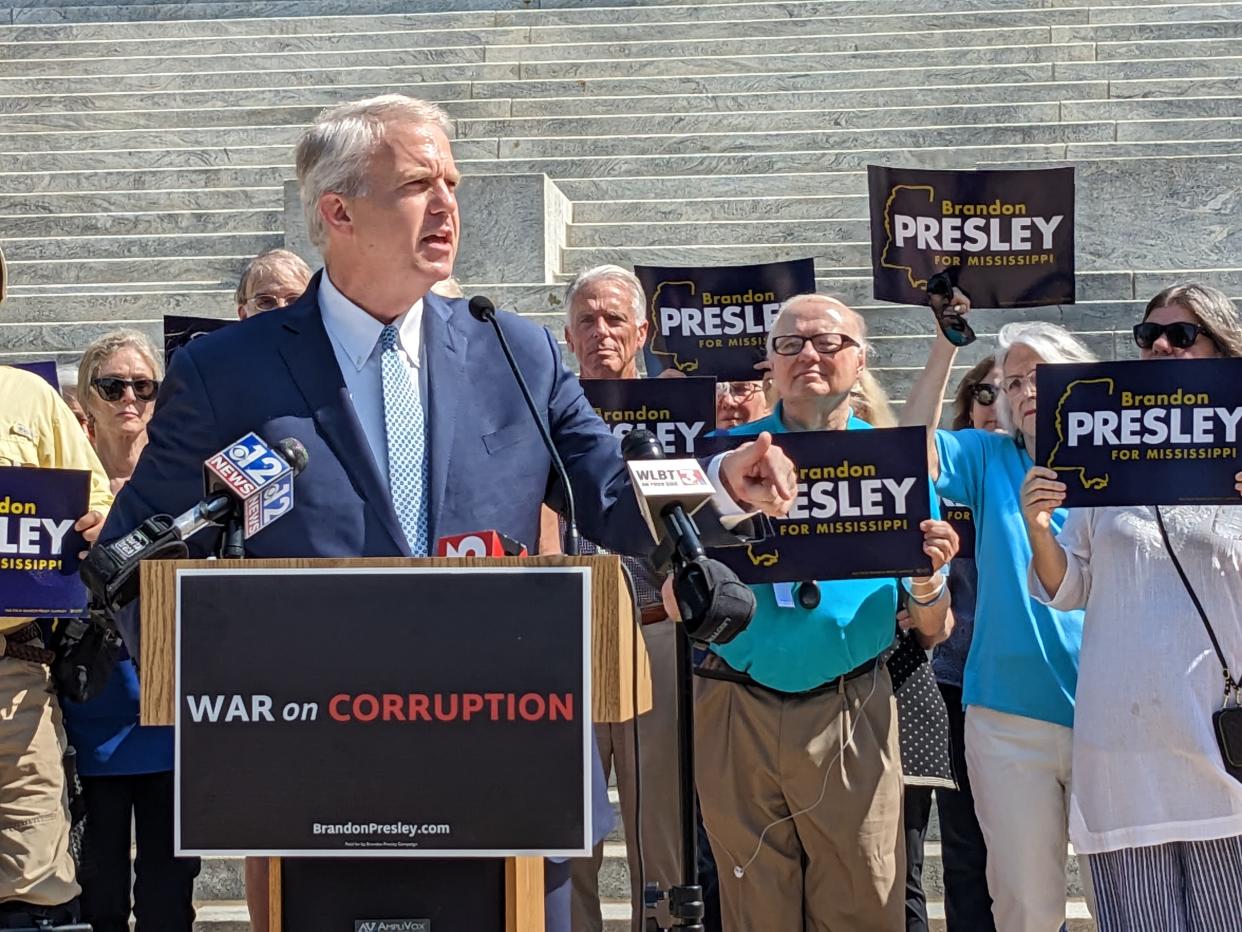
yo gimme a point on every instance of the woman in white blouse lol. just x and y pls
(1152, 804)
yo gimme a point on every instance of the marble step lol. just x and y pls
(277, 77)
(1221, 66)
(388, 68)
(760, 120)
(899, 75)
(406, 48)
(313, 11)
(706, 234)
(177, 98)
(57, 113)
(969, 32)
(95, 202)
(919, 136)
(716, 209)
(139, 246)
(275, 42)
(696, 163)
(264, 145)
(140, 223)
(1168, 48)
(1149, 108)
(219, 270)
(162, 61)
(129, 179)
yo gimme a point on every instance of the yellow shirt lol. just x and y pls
(38, 429)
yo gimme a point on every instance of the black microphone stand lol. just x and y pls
(482, 309)
(685, 900)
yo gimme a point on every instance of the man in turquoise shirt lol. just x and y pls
(797, 760)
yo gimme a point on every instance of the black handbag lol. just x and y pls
(1226, 721)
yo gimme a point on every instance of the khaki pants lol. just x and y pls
(813, 818)
(1020, 772)
(35, 864)
(657, 756)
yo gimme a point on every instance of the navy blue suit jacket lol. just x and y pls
(277, 375)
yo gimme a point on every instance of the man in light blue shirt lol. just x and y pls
(797, 759)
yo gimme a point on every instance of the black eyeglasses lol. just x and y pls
(826, 344)
(985, 393)
(112, 389)
(1181, 335)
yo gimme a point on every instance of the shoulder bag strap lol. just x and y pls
(1231, 686)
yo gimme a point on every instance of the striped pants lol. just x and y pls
(1187, 886)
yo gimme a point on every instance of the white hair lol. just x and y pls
(790, 303)
(608, 273)
(334, 153)
(1050, 342)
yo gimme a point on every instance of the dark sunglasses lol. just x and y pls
(1181, 335)
(985, 393)
(111, 389)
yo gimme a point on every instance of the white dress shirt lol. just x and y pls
(355, 336)
(1147, 770)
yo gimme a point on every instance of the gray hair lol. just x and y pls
(797, 299)
(102, 348)
(334, 153)
(265, 265)
(608, 273)
(1050, 342)
(1216, 313)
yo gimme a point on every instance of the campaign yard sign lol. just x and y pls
(963, 521)
(715, 321)
(1006, 238)
(680, 412)
(180, 330)
(1142, 432)
(38, 545)
(861, 497)
(43, 368)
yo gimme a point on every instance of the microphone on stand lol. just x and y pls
(482, 310)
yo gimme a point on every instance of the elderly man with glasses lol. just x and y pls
(797, 758)
(271, 280)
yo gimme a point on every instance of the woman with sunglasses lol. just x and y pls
(967, 904)
(1021, 672)
(126, 770)
(118, 379)
(1153, 807)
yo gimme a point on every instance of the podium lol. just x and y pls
(404, 739)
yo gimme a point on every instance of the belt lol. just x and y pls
(17, 644)
(717, 669)
(653, 613)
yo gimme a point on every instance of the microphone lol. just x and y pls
(482, 310)
(480, 544)
(247, 483)
(714, 604)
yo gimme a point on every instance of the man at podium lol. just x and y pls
(404, 403)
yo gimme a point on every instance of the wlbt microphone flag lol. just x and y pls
(480, 544)
(257, 477)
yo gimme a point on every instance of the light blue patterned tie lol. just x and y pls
(407, 444)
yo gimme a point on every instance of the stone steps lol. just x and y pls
(534, 43)
(134, 223)
(107, 202)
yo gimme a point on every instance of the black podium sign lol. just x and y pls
(409, 712)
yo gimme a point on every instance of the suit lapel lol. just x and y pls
(446, 383)
(307, 351)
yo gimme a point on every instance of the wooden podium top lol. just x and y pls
(616, 643)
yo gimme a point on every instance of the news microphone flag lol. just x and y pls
(661, 483)
(479, 544)
(258, 478)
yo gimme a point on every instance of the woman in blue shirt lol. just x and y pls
(1021, 673)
